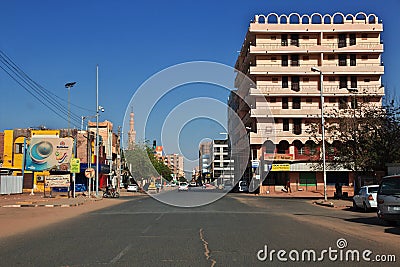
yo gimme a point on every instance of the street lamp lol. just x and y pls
(322, 127)
(98, 108)
(68, 86)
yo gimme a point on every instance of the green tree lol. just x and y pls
(363, 139)
(145, 164)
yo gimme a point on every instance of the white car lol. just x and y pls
(366, 198)
(183, 186)
(133, 188)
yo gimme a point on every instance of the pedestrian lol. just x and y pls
(288, 189)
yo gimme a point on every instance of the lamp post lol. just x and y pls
(68, 86)
(321, 76)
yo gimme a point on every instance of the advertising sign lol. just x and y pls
(280, 167)
(49, 152)
(61, 180)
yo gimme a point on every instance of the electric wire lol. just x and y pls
(42, 95)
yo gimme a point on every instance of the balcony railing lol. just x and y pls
(328, 89)
(278, 46)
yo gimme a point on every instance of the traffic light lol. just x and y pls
(154, 144)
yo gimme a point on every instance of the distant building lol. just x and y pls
(222, 167)
(132, 132)
(175, 163)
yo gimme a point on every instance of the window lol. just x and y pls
(285, 103)
(274, 80)
(294, 60)
(342, 60)
(285, 125)
(332, 79)
(331, 57)
(285, 61)
(294, 39)
(367, 80)
(295, 86)
(330, 37)
(19, 148)
(342, 40)
(353, 82)
(309, 100)
(343, 82)
(306, 80)
(306, 58)
(364, 36)
(273, 37)
(297, 126)
(306, 37)
(285, 82)
(296, 102)
(273, 59)
(332, 100)
(353, 61)
(364, 57)
(343, 102)
(272, 100)
(352, 39)
(284, 40)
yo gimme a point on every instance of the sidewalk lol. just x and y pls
(316, 197)
(39, 200)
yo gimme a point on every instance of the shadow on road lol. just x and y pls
(394, 230)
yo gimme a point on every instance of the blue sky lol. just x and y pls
(55, 42)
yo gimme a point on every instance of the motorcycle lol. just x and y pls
(110, 192)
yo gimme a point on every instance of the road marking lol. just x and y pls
(121, 254)
(146, 229)
(206, 250)
(159, 217)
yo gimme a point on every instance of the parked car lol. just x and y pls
(183, 186)
(389, 199)
(193, 184)
(133, 188)
(366, 198)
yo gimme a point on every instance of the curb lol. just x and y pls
(328, 204)
(42, 205)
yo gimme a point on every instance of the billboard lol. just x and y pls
(49, 153)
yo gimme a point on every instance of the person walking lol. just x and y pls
(288, 189)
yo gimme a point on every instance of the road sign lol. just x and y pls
(75, 165)
(89, 173)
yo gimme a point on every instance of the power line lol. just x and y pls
(42, 95)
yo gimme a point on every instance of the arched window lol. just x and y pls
(316, 18)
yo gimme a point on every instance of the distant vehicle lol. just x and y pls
(243, 186)
(389, 199)
(133, 188)
(183, 186)
(228, 186)
(366, 198)
(193, 184)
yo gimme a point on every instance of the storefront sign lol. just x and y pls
(278, 156)
(280, 167)
(61, 180)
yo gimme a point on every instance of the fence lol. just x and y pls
(11, 184)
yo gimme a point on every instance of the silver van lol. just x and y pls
(388, 196)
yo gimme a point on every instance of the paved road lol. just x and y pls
(228, 232)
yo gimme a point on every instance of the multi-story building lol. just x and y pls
(279, 54)
(175, 163)
(205, 160)
(222, 167)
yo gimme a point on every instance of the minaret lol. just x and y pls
(132, 132)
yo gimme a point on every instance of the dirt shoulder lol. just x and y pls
(19, 220)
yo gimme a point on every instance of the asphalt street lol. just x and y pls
(236, 230)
